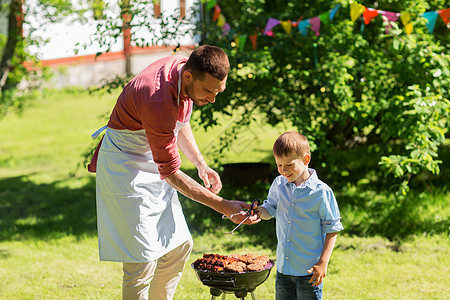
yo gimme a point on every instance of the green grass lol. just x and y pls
(48, 242)
(360, 268)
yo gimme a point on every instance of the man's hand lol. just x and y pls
(210, 179)
(233, 207)
(195, 191)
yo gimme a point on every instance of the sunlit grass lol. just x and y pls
(360, 268)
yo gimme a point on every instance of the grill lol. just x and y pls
(239, 284)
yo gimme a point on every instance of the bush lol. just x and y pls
(385, 92)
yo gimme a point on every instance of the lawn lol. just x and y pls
(48, 243)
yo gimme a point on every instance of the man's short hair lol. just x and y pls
(291, 142)
(208, 59)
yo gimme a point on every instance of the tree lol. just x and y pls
(352, 90)
(17, 66)
(12, 40)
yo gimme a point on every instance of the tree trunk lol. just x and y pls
(13, 37)
(126, 32)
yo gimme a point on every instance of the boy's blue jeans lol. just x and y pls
(296, 288)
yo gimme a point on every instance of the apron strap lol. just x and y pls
(92, 166)
(97, 133)
(179, 86)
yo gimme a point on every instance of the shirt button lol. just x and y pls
(286, 257)
(289, 222)
(288, 240)
(292, 204)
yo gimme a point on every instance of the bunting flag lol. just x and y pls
(390, 17)
(369, 14)
(445, 15)
(431, 17)
(253, 38)
(221, 20)
(325, 17)
(333, 11)
(303, 27)
(287, 26)
(356, 10)
(295, 24)
(406, 20)
(210, 4)
(226, 29)
(242, 40)
(271, 23)
(216, 12)
(315, 25)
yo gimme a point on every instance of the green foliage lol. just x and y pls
(166, 29)
(22, 72)
(366, 212)
(345, 89)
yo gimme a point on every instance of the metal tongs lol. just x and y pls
(252, 211)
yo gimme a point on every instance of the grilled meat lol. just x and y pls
(236, 267)
(234, 263)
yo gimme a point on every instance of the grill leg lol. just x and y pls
(240, 294)
(215, 293)
(224, 295)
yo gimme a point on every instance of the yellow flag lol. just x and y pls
(356, 10)
(287, 26)
(406, 20)
(221, 20)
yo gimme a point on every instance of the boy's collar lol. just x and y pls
(311, 182)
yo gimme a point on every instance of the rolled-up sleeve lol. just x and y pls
(329, 213)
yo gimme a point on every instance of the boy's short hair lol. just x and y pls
(208, 59)
(291, 142)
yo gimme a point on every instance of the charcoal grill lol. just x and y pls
(239, 284)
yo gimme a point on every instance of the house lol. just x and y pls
(73, 59)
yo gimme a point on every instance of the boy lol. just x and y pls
(307, 220)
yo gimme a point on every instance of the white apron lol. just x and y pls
(139, 216)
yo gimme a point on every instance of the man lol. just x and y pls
(140, 219)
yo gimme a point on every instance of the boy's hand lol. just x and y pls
(263, 213)
(319, 272)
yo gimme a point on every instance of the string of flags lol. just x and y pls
(314, 23)
(356, 10)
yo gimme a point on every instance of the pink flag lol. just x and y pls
(391, 17)
(271, 23)
(226, 29)
(315, 25)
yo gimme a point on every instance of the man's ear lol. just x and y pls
(188, 77)
(307, 158)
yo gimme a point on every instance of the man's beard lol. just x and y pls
(190, 93)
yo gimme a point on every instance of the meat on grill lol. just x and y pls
(233, 263)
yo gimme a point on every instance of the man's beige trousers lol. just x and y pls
(156, 280)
